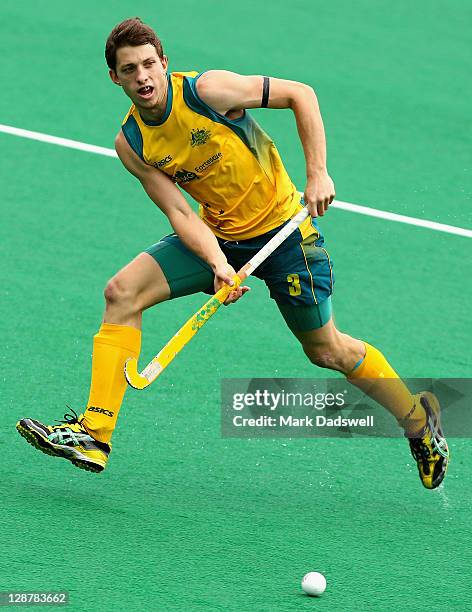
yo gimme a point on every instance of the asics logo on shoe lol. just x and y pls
(100, 410)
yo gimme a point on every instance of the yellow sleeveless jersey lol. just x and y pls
(230, 167)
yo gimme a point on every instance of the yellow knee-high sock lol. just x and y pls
(111, 348)
(376, 377)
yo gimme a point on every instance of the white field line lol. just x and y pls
(62, 142)
(355, 208)
(383, 214)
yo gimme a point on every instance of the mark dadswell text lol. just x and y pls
(306, 421)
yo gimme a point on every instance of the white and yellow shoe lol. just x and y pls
(69, 440)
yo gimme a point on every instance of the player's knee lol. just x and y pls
(330, 353)
(338, 354)
(119, 293)
(322, 355)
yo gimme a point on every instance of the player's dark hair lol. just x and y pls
(130, 33)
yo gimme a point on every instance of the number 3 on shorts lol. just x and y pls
(294, 287)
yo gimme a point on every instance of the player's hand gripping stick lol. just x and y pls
(195, 323)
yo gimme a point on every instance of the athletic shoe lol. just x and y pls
(430, 449)
(69, 440)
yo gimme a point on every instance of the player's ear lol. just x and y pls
(114, 77)
(165, 61)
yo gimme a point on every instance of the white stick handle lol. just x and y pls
(275, 241)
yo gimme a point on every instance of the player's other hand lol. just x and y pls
(319, 193)
(224, 274)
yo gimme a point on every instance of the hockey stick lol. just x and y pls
(191, 327)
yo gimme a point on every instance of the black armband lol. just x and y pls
(265, 93)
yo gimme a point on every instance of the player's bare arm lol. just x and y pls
(187, 225)
(229, 93)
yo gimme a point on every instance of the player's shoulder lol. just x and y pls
(120, 139)
(131, 113)
(122, 145)
(196, 81)
(214, 81)
(130, 134)
(182, 74)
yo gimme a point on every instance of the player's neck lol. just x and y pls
(157, 112)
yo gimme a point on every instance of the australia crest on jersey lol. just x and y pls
(199, 137)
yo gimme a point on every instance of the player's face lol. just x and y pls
(142, 74)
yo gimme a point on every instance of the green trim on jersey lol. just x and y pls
(133, 136)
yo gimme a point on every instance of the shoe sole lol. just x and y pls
(54, 450)
(431, 405)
